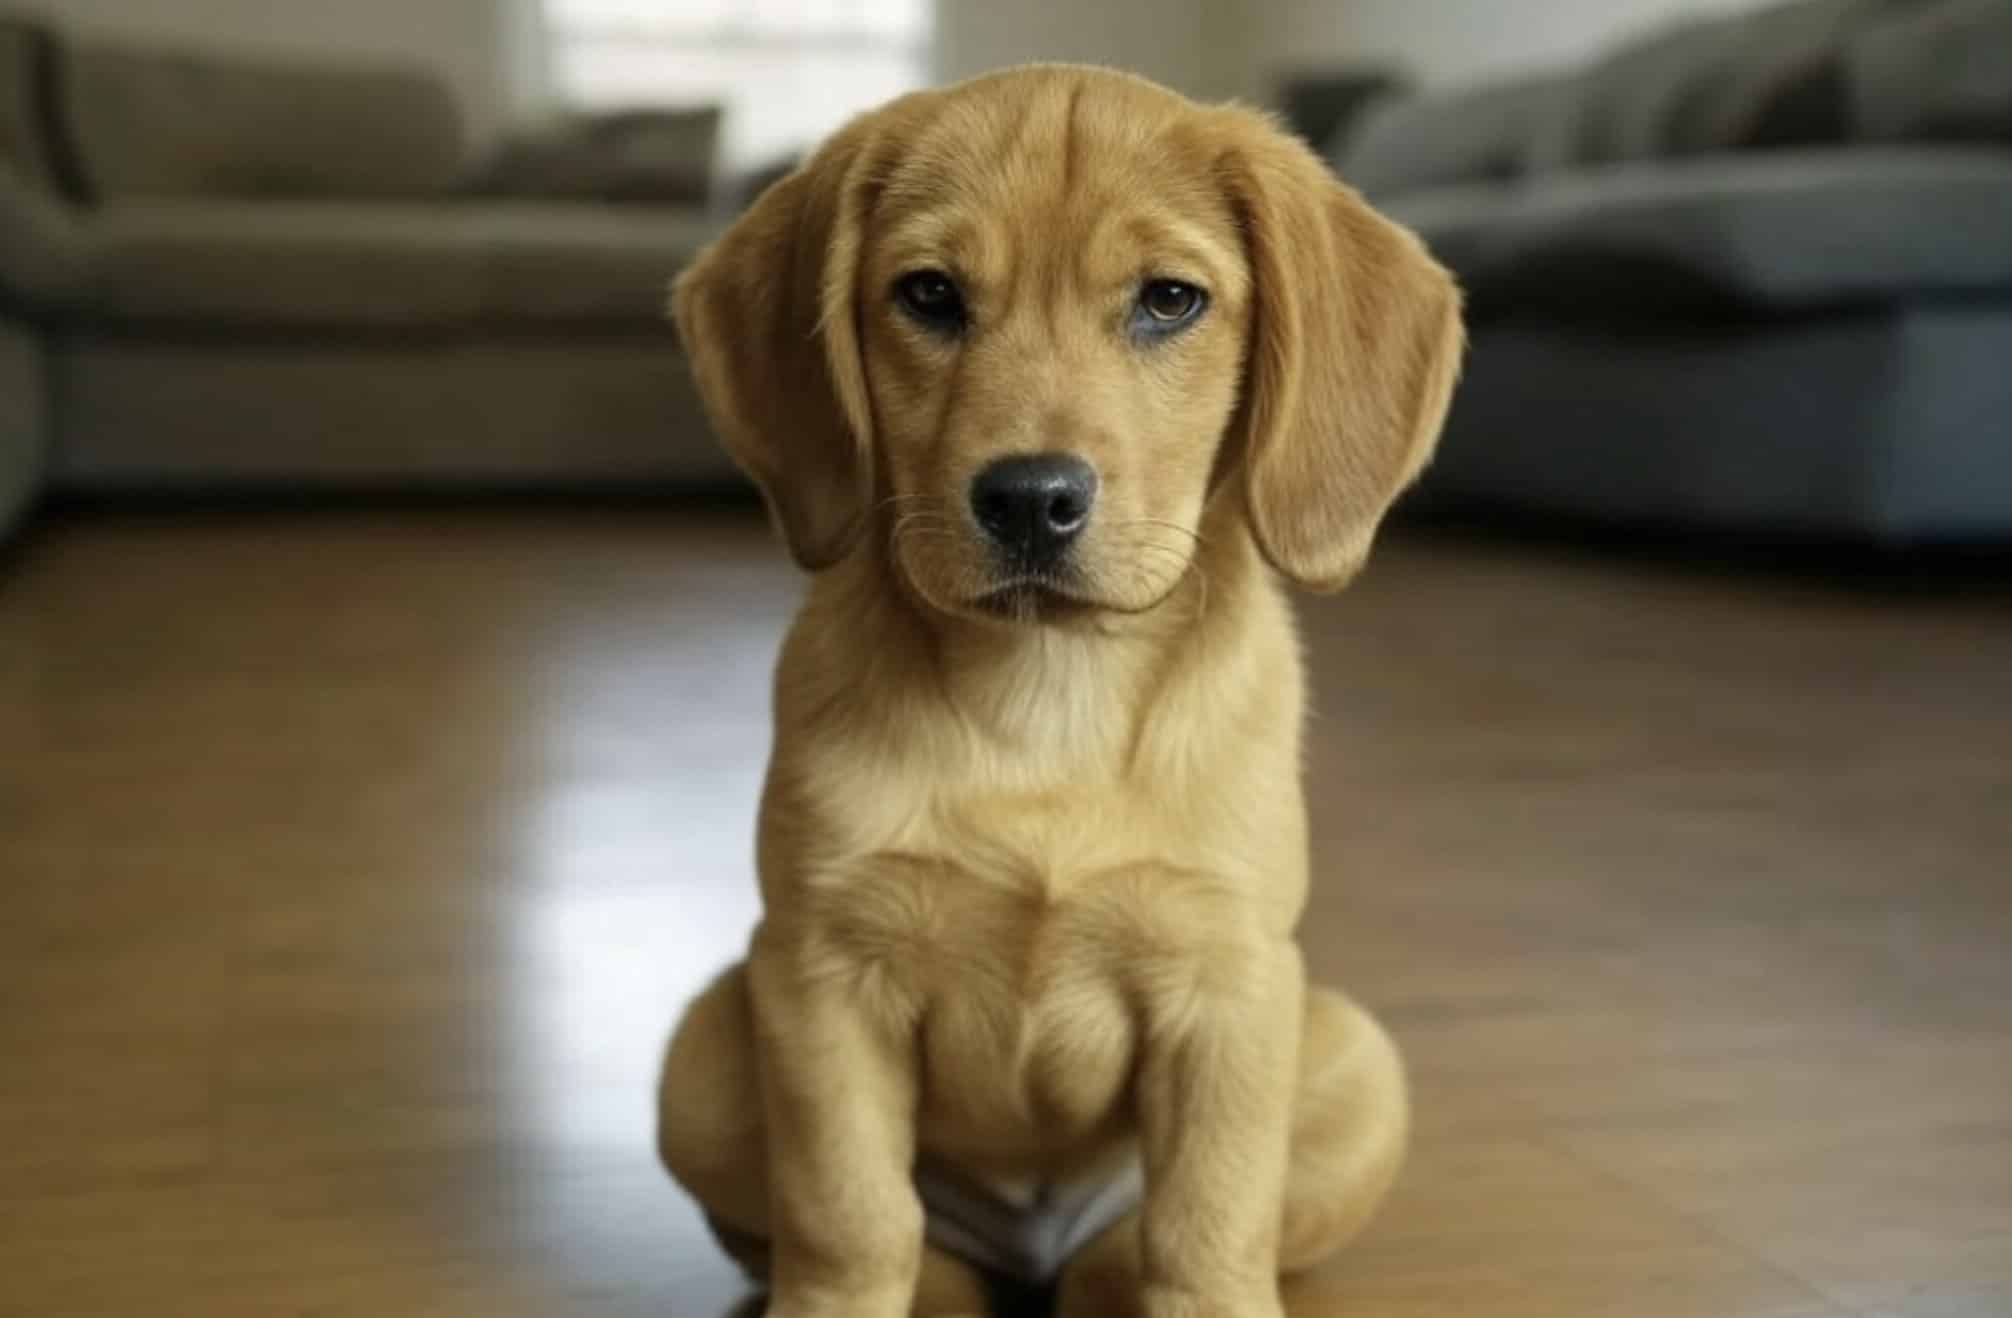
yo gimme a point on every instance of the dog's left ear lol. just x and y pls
(1355, 345)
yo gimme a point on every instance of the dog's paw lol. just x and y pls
(1165, 1302)
(832, 1307)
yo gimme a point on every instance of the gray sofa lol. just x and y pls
(1748, 275)
(218, 274)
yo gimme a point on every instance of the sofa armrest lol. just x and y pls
(41, 246)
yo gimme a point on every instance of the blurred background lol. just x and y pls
(384, 639)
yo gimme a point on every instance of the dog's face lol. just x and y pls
(1053, 311)
(1023, 329)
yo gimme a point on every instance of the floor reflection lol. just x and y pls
(635, 858)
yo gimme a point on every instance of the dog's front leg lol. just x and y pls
(838, 1088)
(1215, 1111)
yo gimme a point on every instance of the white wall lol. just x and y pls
(1450, 42)
(486, 48)
(1217, 48)
(1167, 40)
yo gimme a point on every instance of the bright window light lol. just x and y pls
(787, 71)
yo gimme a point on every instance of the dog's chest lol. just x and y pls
(1022, 958)
(1018, 995)
(1020, 914)
(1048, 1011)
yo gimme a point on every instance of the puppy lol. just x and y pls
(1049, 378)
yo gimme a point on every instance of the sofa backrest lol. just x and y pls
(1805, 73)
(140, 121)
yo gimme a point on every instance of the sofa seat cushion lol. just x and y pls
(308, 266)
(1778, 232)
(587, 263)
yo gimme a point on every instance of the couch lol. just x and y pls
(1746, 275)
(222, 274)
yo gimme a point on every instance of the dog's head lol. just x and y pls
(1024, 327)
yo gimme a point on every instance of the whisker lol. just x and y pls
(916, 502)
(1162, 524)
(924, 520)
(1188, 566)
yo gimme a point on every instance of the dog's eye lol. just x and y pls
(932, 298)
(1166, 305)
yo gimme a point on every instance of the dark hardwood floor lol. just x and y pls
(355, 865)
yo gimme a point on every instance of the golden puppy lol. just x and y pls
(1045, 376)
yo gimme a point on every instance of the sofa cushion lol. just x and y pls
(1715, 84)
(1941, 71)
(1421, 142)
(587, 264)
(1779, 232)
(1808, 73)
(321, 265)
(1712, 84)
(629, 156)
(143, 122)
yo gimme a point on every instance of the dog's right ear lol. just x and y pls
(768, 318)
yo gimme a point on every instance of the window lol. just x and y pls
(786, 71)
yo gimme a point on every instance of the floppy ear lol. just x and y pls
(767, 317)
(1356, 342)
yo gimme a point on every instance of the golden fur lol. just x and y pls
(1030, 878)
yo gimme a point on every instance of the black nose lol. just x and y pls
(1033, 505)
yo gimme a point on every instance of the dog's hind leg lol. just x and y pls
(710, 1138)
(1351, 1123)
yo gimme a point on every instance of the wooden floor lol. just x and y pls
(353, 867)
